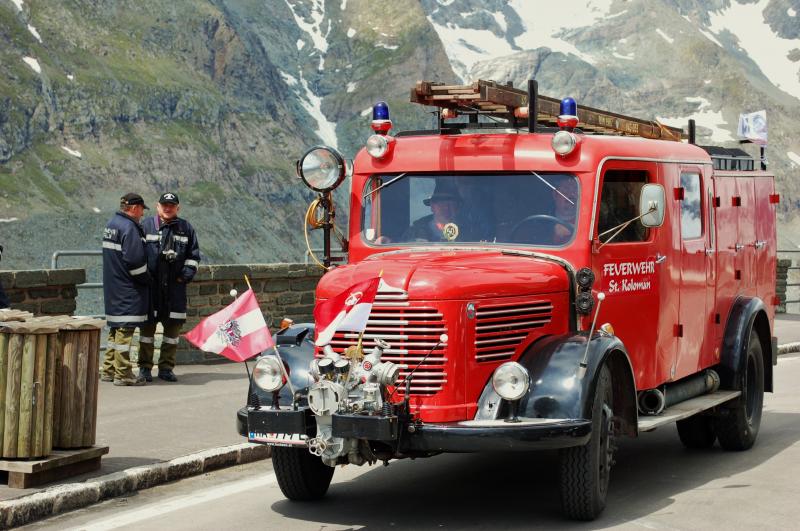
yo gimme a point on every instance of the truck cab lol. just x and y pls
(540, 287)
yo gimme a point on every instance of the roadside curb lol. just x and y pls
(71, 496)
(788, 348)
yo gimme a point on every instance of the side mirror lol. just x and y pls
(651, 205)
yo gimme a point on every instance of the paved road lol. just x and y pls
(656, 484)
(787, 328)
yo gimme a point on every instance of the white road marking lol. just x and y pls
(177, 503)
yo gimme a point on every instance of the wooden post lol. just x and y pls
(92, 380)
(68, 373)
(12, 395)
(4, 338)
(50, 385)
(26, 397)
(79, 396)
(57, 387)
(39, 381)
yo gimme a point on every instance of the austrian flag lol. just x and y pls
(237, 332)
(348, 311)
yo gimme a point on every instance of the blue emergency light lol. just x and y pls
(381, 123)
(568, 113)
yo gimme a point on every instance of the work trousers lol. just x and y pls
(169, 344)
(117, 362)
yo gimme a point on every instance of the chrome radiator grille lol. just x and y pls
(500, 328)
(411, 332)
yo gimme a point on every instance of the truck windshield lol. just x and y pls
(531, 208)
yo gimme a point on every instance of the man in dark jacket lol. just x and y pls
(173, 255)
(126, 288)
(3, 299)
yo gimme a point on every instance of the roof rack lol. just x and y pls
(511, 104)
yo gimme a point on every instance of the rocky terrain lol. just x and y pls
(216, 99)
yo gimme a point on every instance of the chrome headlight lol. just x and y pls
(322, 168)
(564, 142)
(511, 381)
(268, 374)
(378, 145)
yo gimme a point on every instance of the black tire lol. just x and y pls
(301, 475)
(737, 427)
(585, 470)
(697, 432)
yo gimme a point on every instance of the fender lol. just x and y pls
(747, 315)
(557, 391)
(296, 347)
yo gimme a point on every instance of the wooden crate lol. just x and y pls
(59, 465)
(27, 382)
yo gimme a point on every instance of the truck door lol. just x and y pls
(631, 268)
(696, 258)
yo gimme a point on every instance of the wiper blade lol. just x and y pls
(385, 185)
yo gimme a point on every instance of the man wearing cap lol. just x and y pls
(126, 288)
(440, 225)
(173, 255)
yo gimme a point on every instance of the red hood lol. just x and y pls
(451, 275)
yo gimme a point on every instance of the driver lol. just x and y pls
(445, 204)
(565, 201)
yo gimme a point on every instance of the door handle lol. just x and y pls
(736, 248)
(759, 244)
(709, 251)
(661, 258)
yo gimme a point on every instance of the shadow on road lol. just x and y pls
(202, 378)
(489, 491)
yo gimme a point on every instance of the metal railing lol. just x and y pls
(59, 254)
(794, 266)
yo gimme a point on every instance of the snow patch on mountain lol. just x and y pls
(351, 33)
(34, 33)
(33, 63)
(314, 28)
(703, 117)
(665, 36)
(17, 3)
(312, 103)
(465, 46)
(746, 22)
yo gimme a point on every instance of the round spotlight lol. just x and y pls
(564, 142)
(268, 374)
(511, 381)
(322, 168)
(378, 145)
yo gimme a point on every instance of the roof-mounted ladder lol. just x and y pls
(511, 104)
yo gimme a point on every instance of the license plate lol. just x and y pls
(279, 439)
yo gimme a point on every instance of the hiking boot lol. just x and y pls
(132, 380)
(146, 373)
(106, 378)
(167, 375)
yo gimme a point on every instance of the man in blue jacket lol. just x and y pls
(173, 255)
(126, 288)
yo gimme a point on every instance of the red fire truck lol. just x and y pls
(552, 282)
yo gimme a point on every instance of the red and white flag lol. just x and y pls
(348, 311)
(237, 332)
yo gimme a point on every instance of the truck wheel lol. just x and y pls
(697, 432)
(737, 427)
(301, 475)
(585, 470)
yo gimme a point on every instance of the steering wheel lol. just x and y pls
(551, 221)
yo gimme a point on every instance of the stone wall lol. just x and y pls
(43, 291)
(282, 290)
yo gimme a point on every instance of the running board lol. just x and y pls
(686, 409)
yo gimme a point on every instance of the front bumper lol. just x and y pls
(467, 436)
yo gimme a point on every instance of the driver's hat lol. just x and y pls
(443, 192)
